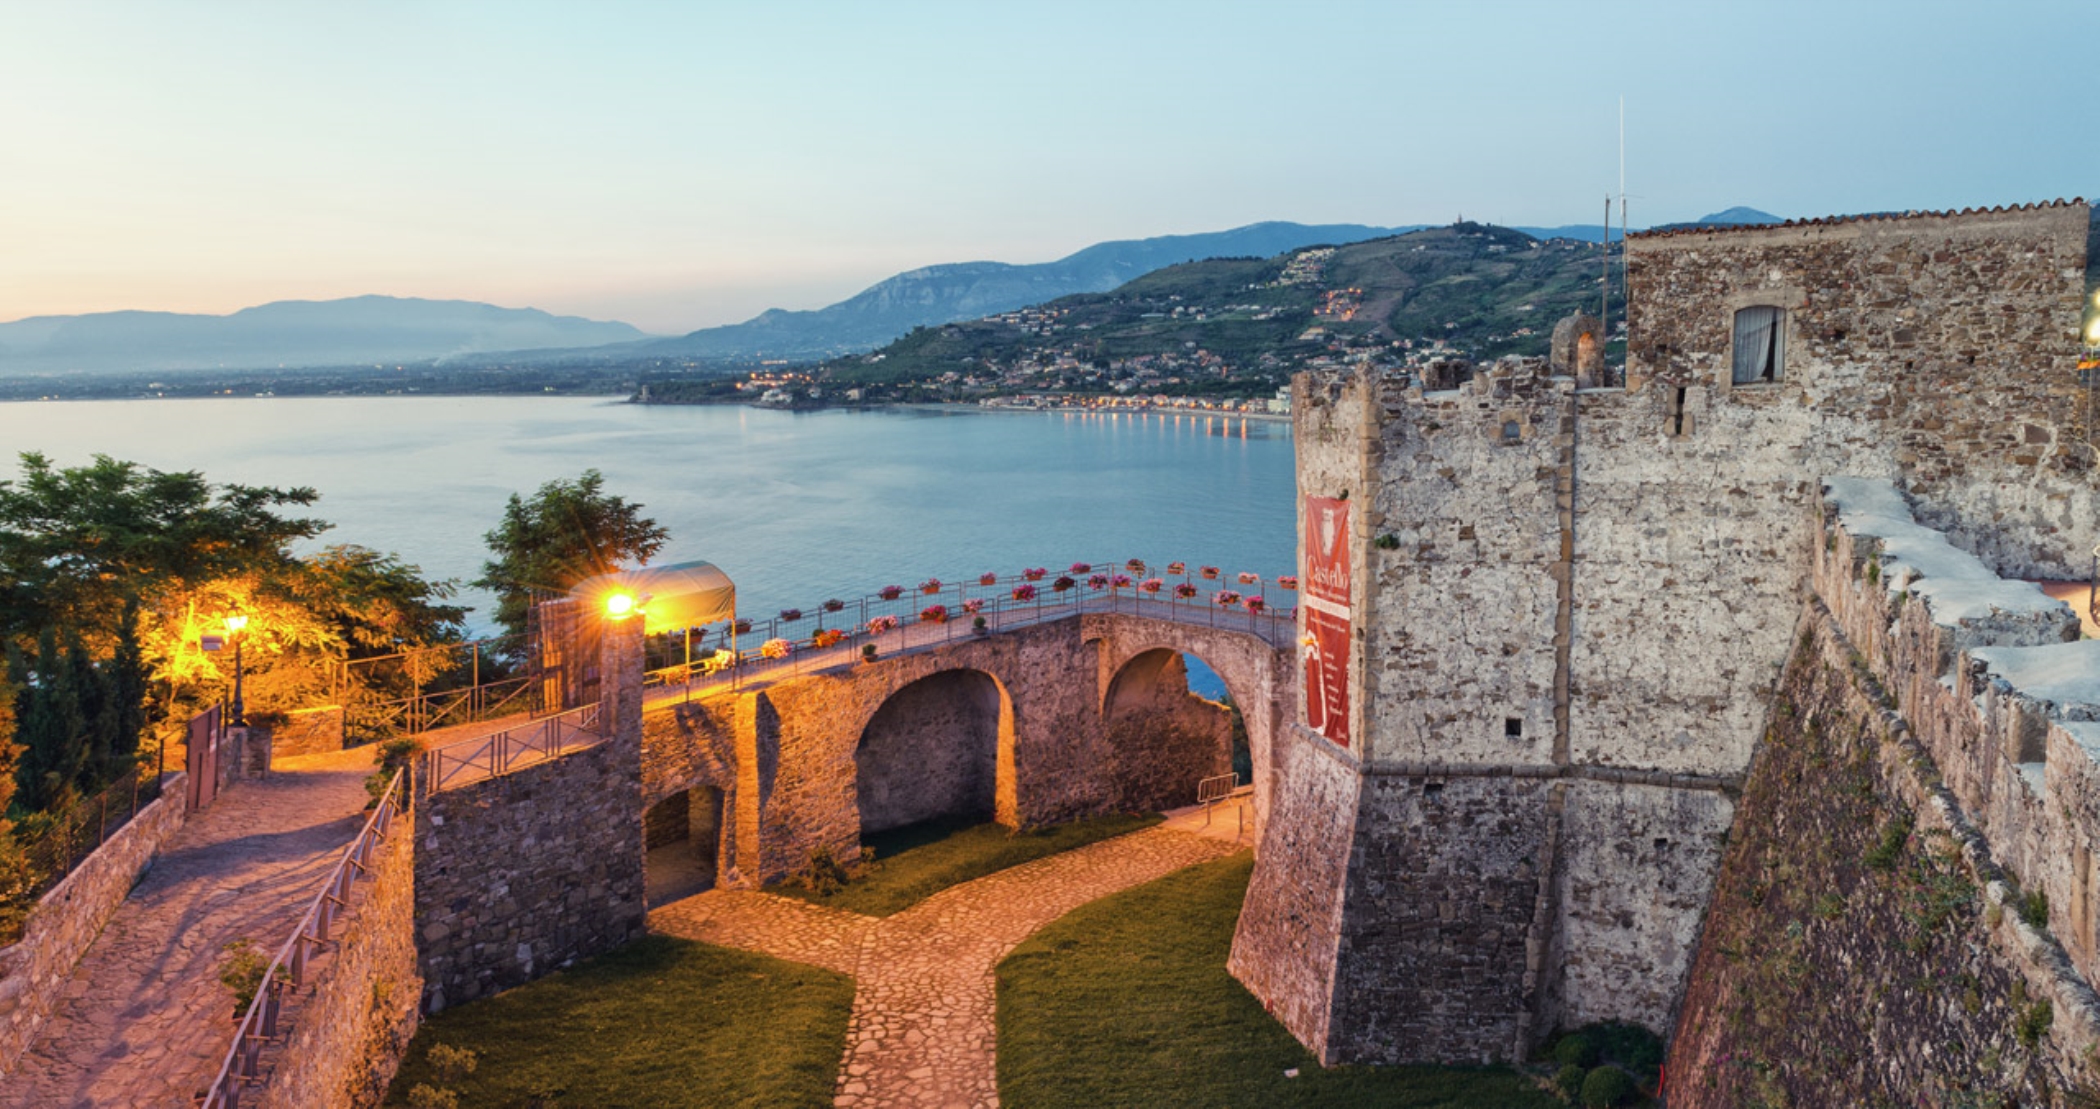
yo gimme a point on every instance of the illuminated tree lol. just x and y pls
(568, 531)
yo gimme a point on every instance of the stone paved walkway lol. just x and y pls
(144, 1020)
(922, 1030)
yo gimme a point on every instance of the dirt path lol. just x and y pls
(144, 1020)
(923, 1026)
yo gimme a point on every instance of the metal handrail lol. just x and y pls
(260, 1022)
(499, 753)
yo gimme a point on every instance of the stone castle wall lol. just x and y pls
(354, 1017)
(1595, 587)
(65, 921)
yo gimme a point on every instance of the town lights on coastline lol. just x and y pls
(235, 624)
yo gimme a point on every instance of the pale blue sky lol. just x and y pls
(678, 165)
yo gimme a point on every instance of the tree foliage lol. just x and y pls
(566, 532)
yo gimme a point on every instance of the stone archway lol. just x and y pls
(938, 748)
(1162, 738)
(681, 844)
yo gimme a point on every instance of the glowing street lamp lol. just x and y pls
(621, 604)
(234, 624)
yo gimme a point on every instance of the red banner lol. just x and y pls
(1327, 598)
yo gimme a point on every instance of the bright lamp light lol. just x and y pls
(619, 604)
(234, 624)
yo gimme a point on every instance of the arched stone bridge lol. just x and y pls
(1033, 725)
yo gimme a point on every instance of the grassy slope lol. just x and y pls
(660, 1022)
(912, 864)
(1126, 1002)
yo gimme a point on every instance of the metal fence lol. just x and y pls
(452, 683)
(72, 835)
(499, 753)
(835, 632)
(262, 1020)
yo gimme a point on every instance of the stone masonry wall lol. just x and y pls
(66, 920)
(1163, 739)
(354, 1020)
(931, 751)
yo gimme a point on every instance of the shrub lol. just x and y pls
(2033, 1022)
(427, 1097)
(867, 652)
(822, 874)
(1569, 1080)
(1576, 1050)
(242, 973)
(1883, 855)
(1605, 1086)
(387, 758)
(2035, 909)
(452, 1064)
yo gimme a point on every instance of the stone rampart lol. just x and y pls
(66, 920)
(354, 1019)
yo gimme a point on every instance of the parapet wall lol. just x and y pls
(1875, 937)
(354, 1019)
(66, 920)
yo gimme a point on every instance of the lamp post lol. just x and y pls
(234, 624)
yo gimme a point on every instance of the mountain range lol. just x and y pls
(380, 329)
(350, 331)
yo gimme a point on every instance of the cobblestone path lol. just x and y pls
(922, 1030)
(144, 1020)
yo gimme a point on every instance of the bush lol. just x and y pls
(427, 1097)
(1606, 1086)
(1894, 835)
(2035, 909)
(452, 1064)
(823, 874)
(1576, 1050)
(1569, 1080)
(389, 757)
(242, 973)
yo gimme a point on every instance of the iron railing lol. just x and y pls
(261, 1023)
(475, 680)
(729, 654)
(498, 753)
(65, 839)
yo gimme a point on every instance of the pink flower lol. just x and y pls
(1024, 593)
(1256, 604)
(776, 648)
(974, 605)
(834, 605)
(1151, 585)
(1249, 579)
(1185, 590)
(930, 585)
(1036, 574)
(1063, 583)
(1177, 567)
(1098, 581)
(1120, 580)
(791, 614)
(1135, 566)
(1081, 567)
(934, 614)
(890, 592)
(987, 579)
(1210, 572)
(1286, 582)
(882, 624)
(1225, 598)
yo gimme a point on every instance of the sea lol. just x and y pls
(794, 506)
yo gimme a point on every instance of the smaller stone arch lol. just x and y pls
(1577, 349)
(1162, 738)
(939, 747)
(682, 836)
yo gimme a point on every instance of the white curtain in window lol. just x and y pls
(1756, 345)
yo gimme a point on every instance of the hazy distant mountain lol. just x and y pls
(368, 329)
(970, 290)
(1732, 217)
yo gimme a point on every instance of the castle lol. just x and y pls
(1572, 602)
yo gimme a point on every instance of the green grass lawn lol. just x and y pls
(1126, 1002)
(911, 864)
(659, 1022)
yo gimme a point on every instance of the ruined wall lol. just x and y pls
(307, 731)
(353, 1019)
(66, 920)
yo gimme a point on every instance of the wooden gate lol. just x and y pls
(203, 760)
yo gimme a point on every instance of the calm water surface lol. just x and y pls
(796, 507)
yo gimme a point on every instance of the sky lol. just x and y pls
(680, 165)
